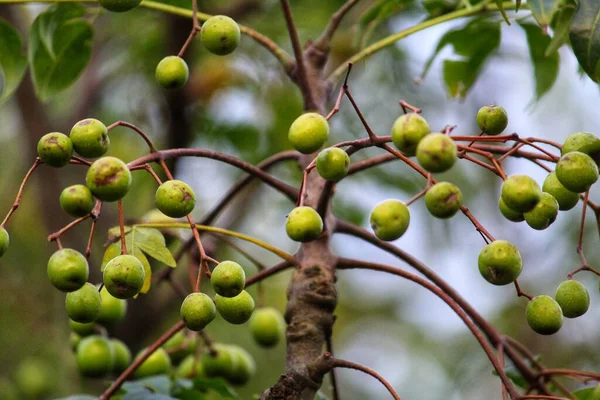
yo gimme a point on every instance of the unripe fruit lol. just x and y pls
(95, 357)
(158, 363)
(77, 200)
(245, 367)
(573, 298)
(308, 132)
(119, 5)
(437, 152)
(235, 310)
(175, 199)
(221, 365)
(190, 368)
(584, 142)
(113, 309)
(544, 315)
(121, 356)
(577, 171)
(124, 276)
(543, 214)
(74, 339)
(492, 119)
(108, 179)
(197, 311)
(228, 279)
(509, 213)
(220, 35)
(521, 193)
(333, 164)
(84, 304)
(68, 270)
(500, 263)
(407, 131)
(172, 72)
(180, 346)
(34, 378)
(267, 326)
(304, 224)
(4, 241)
(566, 199)
(390, 219)
(82, 329)
(55, 149)
(443, 200)
(90, 138)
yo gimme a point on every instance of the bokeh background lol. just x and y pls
(243, 105)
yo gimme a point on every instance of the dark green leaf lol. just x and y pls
(80, 397)
(585, 37)
(560, 25)
(218, 385)
(500, 4)
(60, 47)
(518, 5)
(435, 8)
(545, 67)
(145, 394)
(157, 384)
(188, 394)
(12, 59)
(543, 10)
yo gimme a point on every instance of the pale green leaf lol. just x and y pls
(543, 10)
(12, 59)
(561, 24)
(545, 67)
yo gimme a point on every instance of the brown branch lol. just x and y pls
(122, 227)
(136, 130)
(282, 266)
(334, 385)
(323, 42)
(56, 235)
(17, 201)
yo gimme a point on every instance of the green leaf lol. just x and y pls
(561, 23)
(157, 384)
(545, 67)
(149, 240)
(500, 4)
(145, 395)
(435, 8)
(60, 47)
(80, 397)
(12, 59)
(216, 384)
(518, 5)
(584, 394)
(585, 37)
(543, 10)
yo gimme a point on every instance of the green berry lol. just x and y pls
(119, 5)
(437, 152)
(584, 142)
(577, 171)
(235, 310)
(500, 263)
(95, 357)
(84, 304)
(566, 199)
(4, 241)
(90, 138)
(407, 131)
(180, 346)
(521, 193)
(443, 200)
(55, 149)
(543, 214)
(390, 219)
(158, 363)
(220, 365)
(190, 368)
(124, 276)
(228, 279)
(82, 329)
(544, 315)
(304, 224)
(492, 119)
(220, 35)
(573, 298)
(74, 339)
(34, 378)
(77, 200)
(113, 309)
(245, 367)
(172, 72)
(267, 326)
(121, 356)
(197, 311)
(308, 132)
(509, 213)
(68, 270)
(108, 179)
(333, 163)
(175, 199)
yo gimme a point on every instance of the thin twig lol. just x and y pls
(17, 201)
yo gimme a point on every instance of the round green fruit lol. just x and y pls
(197, 311)
(577, 171)
(309, 132)
(172, 72)
(443, 200)
(77, 201)
(544, 315)
(235, 310)
(121, 356)
(190, 368)
(500, 263)
(4, 241)
(55, 149)
(492, 119)
(90, 138)
(34, 378)
(158, 363)
(245, 367)
(543, 214)
(124, 276)
(566, 199)
(175, 199)
(584, 142)
(437, 152)
(573, 298)
(113, 309)
(407, 131)
(82, 329)
(119, 5)
(74, 339)
(267, 326)
(108, 179)
(84, 304)
(390, 219)
(228, 279)
(220, 365)
(220, 35)
(304, 224)
(95, 357)
(509, 213)
(68, 270)
(333, 164)
(521, 193)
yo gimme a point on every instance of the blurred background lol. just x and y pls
(243, 105)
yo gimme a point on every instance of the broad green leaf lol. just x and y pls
(157, 384)
(545, 67)
(560, 25)
(12, 59)
(149, 240)
(583, 394)
(111, 252)
(146, 395)
(188, 394)
(60, 47)
(218, 385)
(585, 37)
(500, 4)
(543, 10)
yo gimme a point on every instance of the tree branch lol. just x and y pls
(323, 42)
